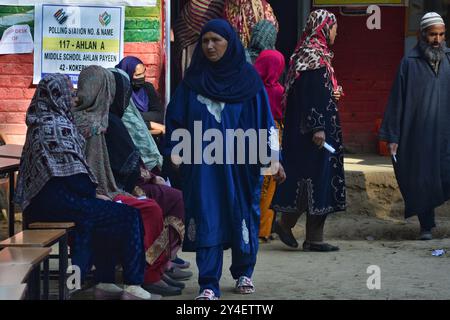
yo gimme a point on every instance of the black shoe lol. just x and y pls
(172, 282)
(426, 235)
(168, 291)
(323, 247)
(285, 237)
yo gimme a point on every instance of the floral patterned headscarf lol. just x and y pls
(245, 14)
(313, 51)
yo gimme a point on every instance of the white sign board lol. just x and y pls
(139, 3)
(70, 38)
(17, 39)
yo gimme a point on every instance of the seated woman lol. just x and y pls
(131, 174)
(96, 90)
(136, 126)
(145, 142)
(144, 95)
(55, 183)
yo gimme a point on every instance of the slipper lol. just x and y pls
(134, 292)
(172, 282)
(263, 240)
(323, 247)
(207, 294)
(162, 288)
(180, 263)
(244, 285)
(106, 291)
(178, 274)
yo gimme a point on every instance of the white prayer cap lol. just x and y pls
(431, 19)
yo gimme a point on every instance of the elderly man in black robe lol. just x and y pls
(417, 125)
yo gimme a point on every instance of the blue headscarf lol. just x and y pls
(229, 80)
(140, 98)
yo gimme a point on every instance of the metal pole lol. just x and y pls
(167, 47)
(11, 210)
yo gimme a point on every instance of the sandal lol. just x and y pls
(315, 247)
(244, 286)
(207, 294)
(264, 240)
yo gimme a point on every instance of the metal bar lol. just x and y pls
(63, 261)
(11, 217)
(167, 47)
(46, 279)
(36, 283)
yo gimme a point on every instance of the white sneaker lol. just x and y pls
(138, 293)
(107, 291)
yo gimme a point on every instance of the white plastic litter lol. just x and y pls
(438, 253)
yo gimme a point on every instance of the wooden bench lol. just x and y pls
(33, 238)
(13, 151)
(14, 274)
(44, 239)
(40, 225)
(15, 292)
(51, 225)
(21, 258)
(14, 256)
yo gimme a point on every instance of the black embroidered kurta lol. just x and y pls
(314, 175)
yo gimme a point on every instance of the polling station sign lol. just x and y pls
(69, 38)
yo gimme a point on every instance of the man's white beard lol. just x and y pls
(432, 54)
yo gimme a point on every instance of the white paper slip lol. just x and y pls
(394, 156)
(142, 198)
(329, 148)
(119, 201)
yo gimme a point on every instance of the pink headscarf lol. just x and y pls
(270, 66)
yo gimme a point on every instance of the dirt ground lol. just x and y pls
(408, 271)
(372, 232)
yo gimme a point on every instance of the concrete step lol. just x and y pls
(372, 188)
(375, 205)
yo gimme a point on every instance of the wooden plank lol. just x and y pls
(33, 238)
(51, 225)
(14, 274)
(13, 151)
(33, 256)
(7, 165)
(16, 292)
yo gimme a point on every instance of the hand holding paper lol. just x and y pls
(393, 147)
(329, 148)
